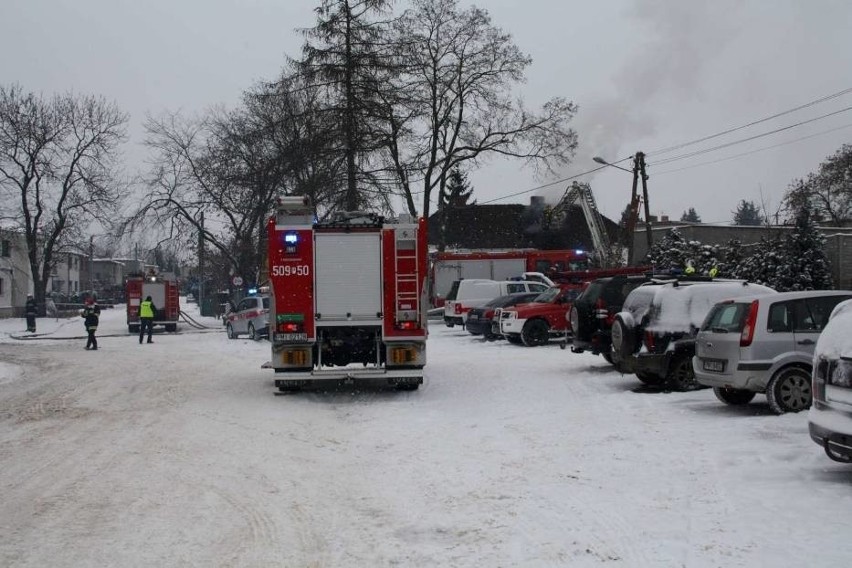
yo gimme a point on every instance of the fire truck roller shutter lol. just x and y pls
(348, 277)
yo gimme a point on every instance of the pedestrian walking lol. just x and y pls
(31, 311)
(147, 309)
(91, 316)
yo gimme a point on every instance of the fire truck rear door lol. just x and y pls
(348, 278)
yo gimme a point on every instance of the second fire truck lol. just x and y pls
(348, 297)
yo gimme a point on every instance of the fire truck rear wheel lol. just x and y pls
(171, 327)
(133, 328)
(230, 331)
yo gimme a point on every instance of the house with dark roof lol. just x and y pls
(512, 226)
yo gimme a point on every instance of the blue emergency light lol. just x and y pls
(290, 240)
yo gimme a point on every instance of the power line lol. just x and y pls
(553, 182)
(754, 151)
(776, 115)
(750, 138)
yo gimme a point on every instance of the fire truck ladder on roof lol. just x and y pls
(582, 192)
(407, 275)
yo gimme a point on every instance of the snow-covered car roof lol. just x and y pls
(836, 338)
(680, 308)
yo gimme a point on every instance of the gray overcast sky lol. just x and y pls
(647, 74)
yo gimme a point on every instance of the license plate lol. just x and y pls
(290, 337)
(716, 366)
(472, 317)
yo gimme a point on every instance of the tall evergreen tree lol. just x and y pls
(459, 190)
(763, 263)
(348, 53)
(805, 266)
(747, 213)
(690, 216)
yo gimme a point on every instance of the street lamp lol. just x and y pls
(600, 160)
(638, 172)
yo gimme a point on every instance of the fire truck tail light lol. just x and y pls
(408, 325)
(290, 327)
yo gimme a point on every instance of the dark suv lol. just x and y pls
(592, 315)
(654, 334)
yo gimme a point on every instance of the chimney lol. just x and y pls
(537, 201)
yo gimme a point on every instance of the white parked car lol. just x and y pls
(476, 292)
(830, 416)
(251, 317)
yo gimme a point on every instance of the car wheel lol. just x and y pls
(734, 397)
(535, 333)
(252, 333)
(681, 377)
(650, 379)
(607, 357)
(230, 331)
(514, 339)
(622, 339)
(789, 390)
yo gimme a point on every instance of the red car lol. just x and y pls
(537, 322)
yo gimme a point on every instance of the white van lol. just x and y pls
(475, 292)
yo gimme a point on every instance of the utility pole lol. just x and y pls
(640, 158)
(638, 173)
(92, 264)
(201, 265)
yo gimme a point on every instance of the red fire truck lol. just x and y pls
(348, 297)
(163, 289)
(447, 267)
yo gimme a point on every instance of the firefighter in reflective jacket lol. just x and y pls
(147, 309)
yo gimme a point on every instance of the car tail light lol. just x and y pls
(457, 308)
(747, 335)
(488, 314)
(650, 341)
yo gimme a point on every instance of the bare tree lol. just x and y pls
(831, 188)
(215, 178)
(458, 105)
(57, 170)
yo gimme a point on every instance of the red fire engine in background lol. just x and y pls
(164, 290)
(348, 297)
(447, 267)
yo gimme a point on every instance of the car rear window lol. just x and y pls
(727, 317)
(454, 290)
(266, 303)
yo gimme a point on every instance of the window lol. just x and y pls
(780, 318)
(1, 287)
(4, 248)
(515, 288)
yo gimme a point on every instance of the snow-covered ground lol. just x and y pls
(179, 454)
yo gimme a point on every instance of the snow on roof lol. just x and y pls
(836, 339)
(680, 308)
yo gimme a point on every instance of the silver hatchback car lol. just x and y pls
(764, 344)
